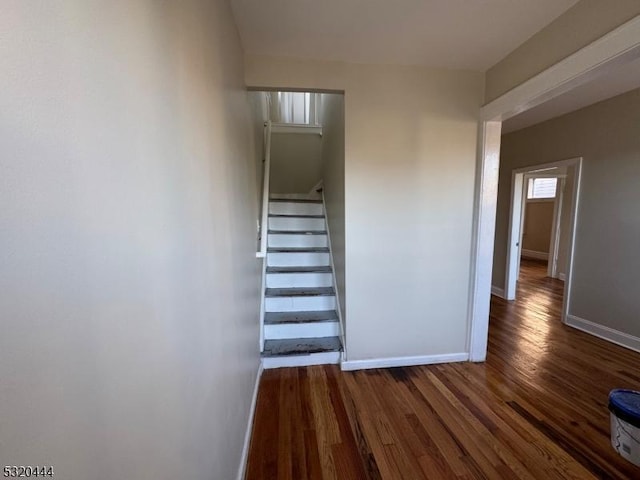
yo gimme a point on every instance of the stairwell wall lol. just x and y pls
(410, 157)
(332, 115)
(129, 287)
(296, 162)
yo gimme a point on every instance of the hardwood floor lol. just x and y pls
(537, 409)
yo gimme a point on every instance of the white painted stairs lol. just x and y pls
(301, 325)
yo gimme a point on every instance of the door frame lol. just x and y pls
(556, 230)
(519, 184)
(616, 48)
(520, 177)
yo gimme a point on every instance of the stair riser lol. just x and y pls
(292, 280)
(287, 208)
(299, 304)
(324, 358)
(306, 259)
(296, 196)
(298, 241)
(302, 330)
(296, 223)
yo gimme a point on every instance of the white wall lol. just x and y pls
(410, 147)
(129, 288)
(606, 263)
(296, 162)
(258, 117)
(332, 119)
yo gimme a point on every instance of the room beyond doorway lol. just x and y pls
(562, 237)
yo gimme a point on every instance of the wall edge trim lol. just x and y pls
(498, 292)
(390, 362)
(606, 333)
(247, 436)
(534, 254)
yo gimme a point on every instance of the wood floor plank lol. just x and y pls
(285, 442)
(263, 457)
(536, 409)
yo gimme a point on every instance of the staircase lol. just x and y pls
(301, 325)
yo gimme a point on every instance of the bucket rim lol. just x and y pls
(624, 411)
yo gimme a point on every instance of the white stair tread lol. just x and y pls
(299, 292)
(301, 346)
(318, 269)
(298, 250)
(275, 318)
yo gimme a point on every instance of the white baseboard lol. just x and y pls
(535, 255)
(498, 292)
(403, 361)
(562, 276)
(247, 435)
(606, 333)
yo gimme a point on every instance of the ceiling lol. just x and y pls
(622, 79)
(460, 34)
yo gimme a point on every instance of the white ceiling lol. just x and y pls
(622, 79)
(461, 34)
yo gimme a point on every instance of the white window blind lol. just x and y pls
(294, 107)
(541, 188)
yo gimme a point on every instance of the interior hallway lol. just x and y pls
(536, 409)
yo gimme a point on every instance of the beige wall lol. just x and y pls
(332, 118)
(296, 162)
(258, 117)
(410, 148)
(606, 264)
(129, 287)
(585, 22)
(538, 220)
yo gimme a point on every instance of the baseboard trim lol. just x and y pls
(390, 362)
(562, 276)
(606, 333)
(498, 292)
(535, 255)
(247, 436)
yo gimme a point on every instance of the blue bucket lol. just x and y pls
(624, 406)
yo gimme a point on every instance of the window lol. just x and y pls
(301, 108)
(539, 188)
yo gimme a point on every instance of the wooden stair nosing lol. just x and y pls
(298, 250)
(299, 292)
(318, 269)
(284, 318)
(296, 232)
(294, 200)
(282, 215)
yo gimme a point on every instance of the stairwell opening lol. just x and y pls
(301, 228)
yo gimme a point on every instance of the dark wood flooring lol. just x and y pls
(537, 409)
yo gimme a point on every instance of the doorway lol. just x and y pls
(553, 186)
(601, 57)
